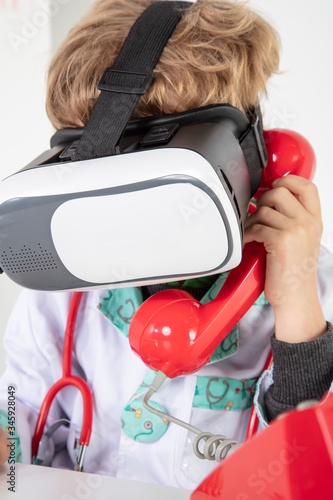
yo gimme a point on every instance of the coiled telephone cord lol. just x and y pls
(215, 447)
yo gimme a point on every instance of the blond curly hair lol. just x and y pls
(220, 52)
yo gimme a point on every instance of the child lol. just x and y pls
(220, 52)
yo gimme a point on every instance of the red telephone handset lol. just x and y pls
(174, 333)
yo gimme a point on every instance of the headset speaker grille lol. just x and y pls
(27, 260)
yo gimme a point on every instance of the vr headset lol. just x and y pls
(133, 202)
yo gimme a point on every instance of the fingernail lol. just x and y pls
(275, 182)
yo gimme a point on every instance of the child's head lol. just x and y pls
(220, 52)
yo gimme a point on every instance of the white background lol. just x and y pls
(300, 98)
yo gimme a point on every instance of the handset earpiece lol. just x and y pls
(171, 331)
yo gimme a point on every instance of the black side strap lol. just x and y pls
(122, 85)
(254, 150)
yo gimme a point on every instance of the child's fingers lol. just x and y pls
(261, 234)
(269, 217)
(281, 199)
(305, 191)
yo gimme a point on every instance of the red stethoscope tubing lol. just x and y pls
(66, 380)
(79, 383)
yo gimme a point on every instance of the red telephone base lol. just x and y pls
(290, 460)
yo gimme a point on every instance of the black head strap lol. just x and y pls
(122, 85)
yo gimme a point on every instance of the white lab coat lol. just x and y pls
(102, 356)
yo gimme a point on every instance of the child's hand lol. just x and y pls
(290, 227)
(4, 450)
